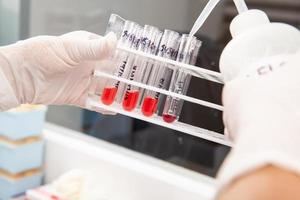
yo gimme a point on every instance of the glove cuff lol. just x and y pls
(276, 145)
(240, 164)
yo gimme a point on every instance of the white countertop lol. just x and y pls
(125, 174)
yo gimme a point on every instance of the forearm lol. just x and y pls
(267, 183)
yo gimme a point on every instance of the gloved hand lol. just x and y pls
(52, 70)
(262, 117)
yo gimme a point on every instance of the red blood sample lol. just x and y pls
(130, 100)
(108, 95)
(47, 194)
(169, 118)
(149, 106)
(55, 197)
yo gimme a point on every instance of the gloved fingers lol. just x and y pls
(228, 94)
(226, 133)
(81, 50)
(81, 35)
(237, 98)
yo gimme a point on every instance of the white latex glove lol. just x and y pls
(52, 70)
(262, 117)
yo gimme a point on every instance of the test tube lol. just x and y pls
(128, 64)
(150, 64)
(161, 74)
(149, 44)
(188, 51)
(116, 25)
(127, 39)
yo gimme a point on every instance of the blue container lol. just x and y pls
(16, 159)
(10, 187)
(18, 124)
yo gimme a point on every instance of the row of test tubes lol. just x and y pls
(148, 39)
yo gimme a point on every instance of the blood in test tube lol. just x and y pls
(109, 95)
(169, 118)
(149, 106)
(127, 37)
(188, 52)
(130, 100)
(151, 37)
(161, 74)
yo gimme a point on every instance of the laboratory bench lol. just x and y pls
(124, 173)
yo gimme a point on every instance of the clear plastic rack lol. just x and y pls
(94, 101)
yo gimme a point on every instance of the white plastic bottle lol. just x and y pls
(257, 45)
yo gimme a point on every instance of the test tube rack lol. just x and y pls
(198, 72)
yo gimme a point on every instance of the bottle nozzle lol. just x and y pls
(240, 5)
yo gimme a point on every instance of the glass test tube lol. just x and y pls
(128, 65)
(188, 51)
(150, 65)
(161, 74)
(127, 39)
(149, 44)
(116, 25)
